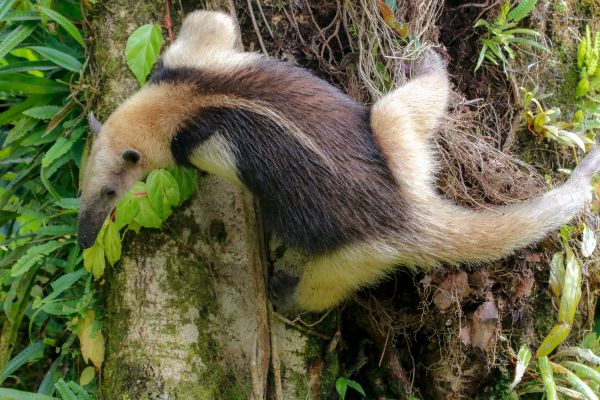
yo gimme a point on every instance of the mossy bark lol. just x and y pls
(187, 315)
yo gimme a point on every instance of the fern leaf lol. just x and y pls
(522, 10)
(33, 256)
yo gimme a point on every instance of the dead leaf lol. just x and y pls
(90, 340)
(452, 290)
(484, 321)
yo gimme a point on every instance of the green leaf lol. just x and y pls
(575, 381)
(33, 256)
(582, 370)
(342, 385)
(522, 10)
(63, 283)
(25, 66)
(93, 260)
(146, 216)
(58, 149)
(63, 22)
(112, 242)
(21, 128)
(65, 392)
(12, 394)
(14, 38)
(69, 203)
(21, 16)
(30, 84)
(87, 375)
(523, 358)
(548, 378)
(571, 292)
(31, 352)
(126, 211)
(142, 50)
(42, 112)
(186, 181)
(556, 336)
(58, 57)
(581, 50)
(588, 241)
(5, 6)
(163, 192)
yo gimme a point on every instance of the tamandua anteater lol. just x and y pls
(349, 185)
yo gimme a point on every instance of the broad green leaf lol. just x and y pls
(63, 22)
(548, 378)
(186, 181)
(81, 393)
(14, 38)
(13, 394)
(163, 192)
(58, 149)
(58, 57)
(522, 10)
(112, 242)
(5, 6)
(31, 352)
(142, 50)
(523, 358)
(87, 375)
(556, 336)
(126, 211)
(42, 112)
(588, 241)
(30, 84)
(93, 260)
(33, 256)
(146, 216)
(571, 292)
(342, 385)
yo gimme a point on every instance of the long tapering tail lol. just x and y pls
(451, 234)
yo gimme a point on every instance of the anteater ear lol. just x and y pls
(132, 156)
(95, 125)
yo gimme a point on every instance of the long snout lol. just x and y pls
(89, 226)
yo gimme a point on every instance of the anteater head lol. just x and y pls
(132, 142)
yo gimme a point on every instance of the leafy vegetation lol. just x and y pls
(545, 123)
(51, 317)
(503, 33)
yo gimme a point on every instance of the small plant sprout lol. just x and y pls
(588, 55)
(545, 123)
(503, 33)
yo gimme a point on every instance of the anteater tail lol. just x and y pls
(451, 234)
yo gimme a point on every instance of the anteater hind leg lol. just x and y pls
(404, 120)
(331, 278)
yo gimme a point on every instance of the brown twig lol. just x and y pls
(256, 29)
(168, 22)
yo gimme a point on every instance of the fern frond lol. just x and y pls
(522, 10)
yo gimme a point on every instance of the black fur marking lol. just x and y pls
(311, 204)
(281, 290)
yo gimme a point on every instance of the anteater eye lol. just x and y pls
(110, 193)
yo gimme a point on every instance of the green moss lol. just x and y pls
(499, 388)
